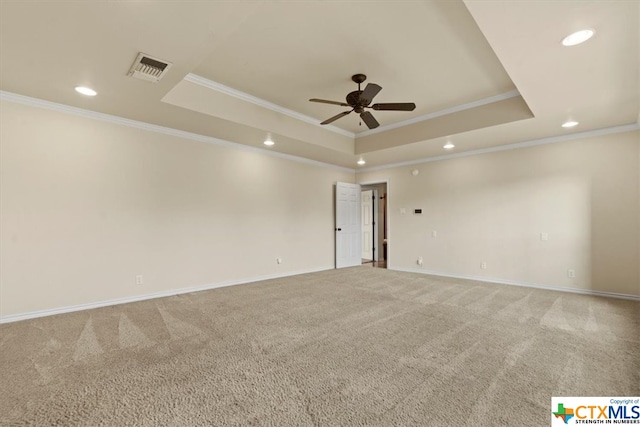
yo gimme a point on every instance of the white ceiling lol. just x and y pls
(430, 52)
(482, 73)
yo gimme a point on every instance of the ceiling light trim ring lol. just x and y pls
(578, 37)
(86, 91)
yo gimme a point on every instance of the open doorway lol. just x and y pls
(374, 224)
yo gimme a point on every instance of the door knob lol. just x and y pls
(338, 229)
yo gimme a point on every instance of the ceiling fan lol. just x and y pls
(358, 100)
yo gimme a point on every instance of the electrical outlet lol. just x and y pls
(419, 262)
(139, 279)
(571, 273)
(434, 233)
(279, 260)
(483, 265)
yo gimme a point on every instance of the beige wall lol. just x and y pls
(493, 207)
(87, 205)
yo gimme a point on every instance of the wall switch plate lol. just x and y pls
(571, 273)
(544, 236)
(434, 233)
(483, 265)
(403, 210)
(139, 279)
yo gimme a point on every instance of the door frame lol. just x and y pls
(374, 220)
(388, 182)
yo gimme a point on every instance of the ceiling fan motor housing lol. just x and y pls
(354, 100)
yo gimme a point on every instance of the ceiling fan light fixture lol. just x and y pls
(578, 37)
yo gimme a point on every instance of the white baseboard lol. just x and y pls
(88, 306)
(524, 284)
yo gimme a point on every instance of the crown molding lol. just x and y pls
(542, 141)
(490, 100)
(40, 103)
(219, 87)
(35, 102)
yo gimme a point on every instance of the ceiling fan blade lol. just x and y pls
(336, 117)
(395, 106)
(369, 120)
(324, 101)
(369, 93)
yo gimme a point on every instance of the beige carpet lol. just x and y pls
(359, 346)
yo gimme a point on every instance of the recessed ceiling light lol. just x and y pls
(570, 124)
(578, 37)
(361, 161)
(448, 146)
(269, 142)
(86, 91)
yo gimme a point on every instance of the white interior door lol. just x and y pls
(366, 209)
(348, 229)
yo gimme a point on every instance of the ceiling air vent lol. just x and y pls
(148, 68)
